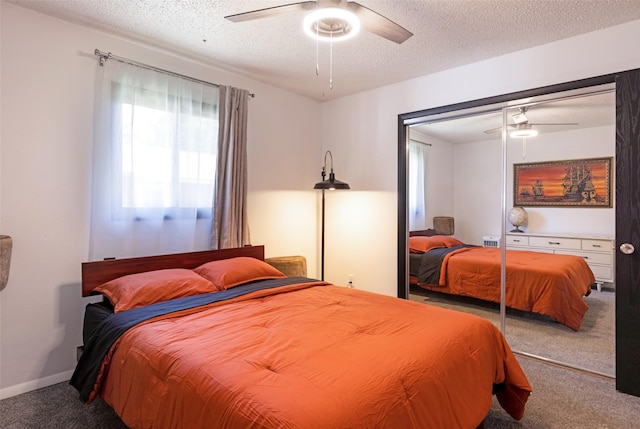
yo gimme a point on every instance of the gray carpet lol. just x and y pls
(567, 399)
(592, 347)
(562, 399)
(56, 406)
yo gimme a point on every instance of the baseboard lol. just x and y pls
(29, 386)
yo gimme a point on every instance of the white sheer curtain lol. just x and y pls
(417, 179)
(154, 162)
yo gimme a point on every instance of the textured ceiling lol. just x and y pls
(447, 33)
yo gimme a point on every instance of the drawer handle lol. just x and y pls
(516, 241)
(585, 257)
(557, 243)
(596, 245)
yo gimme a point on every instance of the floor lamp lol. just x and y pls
(330, 185)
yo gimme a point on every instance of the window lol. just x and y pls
(155, 159)
(168, 152)
(417, 178)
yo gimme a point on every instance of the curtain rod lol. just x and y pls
(104, 56)
(418, 141)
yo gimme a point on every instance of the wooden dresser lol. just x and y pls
(597, 251)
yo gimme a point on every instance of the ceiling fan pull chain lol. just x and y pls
(317, 50)
(331, 62)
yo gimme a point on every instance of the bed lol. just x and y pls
(262, 350)
(548, 284)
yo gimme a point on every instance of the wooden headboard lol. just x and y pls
(423, 232)
(96, 273)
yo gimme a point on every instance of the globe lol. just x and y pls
(517, 216)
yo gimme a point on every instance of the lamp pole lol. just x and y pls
(322, 242)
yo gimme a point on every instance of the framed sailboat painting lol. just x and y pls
(569, 183)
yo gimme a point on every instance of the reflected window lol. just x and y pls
(417, 178)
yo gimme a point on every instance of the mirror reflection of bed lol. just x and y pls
(460, 160)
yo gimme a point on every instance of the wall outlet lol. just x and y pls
(352, 279)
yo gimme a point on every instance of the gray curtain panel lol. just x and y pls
(229, 227)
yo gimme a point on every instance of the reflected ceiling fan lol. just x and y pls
(522, 128)
(333, 20)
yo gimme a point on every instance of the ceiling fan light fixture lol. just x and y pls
(523, 131)
(331, 24)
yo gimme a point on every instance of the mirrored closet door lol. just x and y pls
(559, 204)
(498, 168)
(455, 176)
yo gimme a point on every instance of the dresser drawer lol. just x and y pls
(590, 257)
(597, 245)
(602, 273)
(517, 241)
(556, 242)
(536, 249)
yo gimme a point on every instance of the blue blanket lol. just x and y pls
(431, 264)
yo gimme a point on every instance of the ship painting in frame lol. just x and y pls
(569, 183)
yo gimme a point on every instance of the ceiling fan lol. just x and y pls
(333, 19)
(522, 128)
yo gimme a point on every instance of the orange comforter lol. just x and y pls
(312, 356)
(549, 284)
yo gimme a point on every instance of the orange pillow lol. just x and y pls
(137, 290)
(227, 273)
(422, 244)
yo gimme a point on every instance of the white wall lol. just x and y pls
(364, 127)
(478, 189)
(47, 72)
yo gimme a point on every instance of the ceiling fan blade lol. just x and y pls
(496, 130)
(270, 12)
(492, 130)
(555, 123)
(378, 24)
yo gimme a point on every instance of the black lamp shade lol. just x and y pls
(331, 184)
(327, 184)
